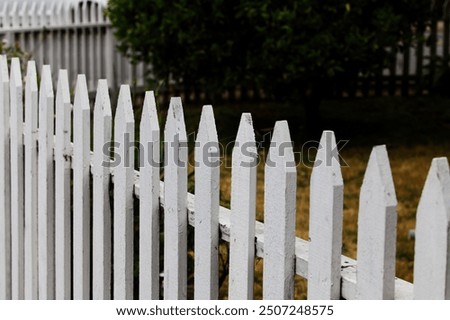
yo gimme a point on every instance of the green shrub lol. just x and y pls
(294, 50)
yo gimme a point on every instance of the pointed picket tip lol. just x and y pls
(281, 132)
(438, 185)
(13, 8)
(102, 105)
(149, 113)
(245, 131)
(327, 156)
(32, 8)
(432, 245)
(124, 112)
(46, 81)
(81, 100)
(4, 76)
(379, 169)
(175, 119)
(22, 12)
(31, 82)
(327, 144)
(207, 131)
(16, 74)
(281, 151)
(63, 91)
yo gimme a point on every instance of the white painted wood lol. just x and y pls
(23, 17)
(81, 191)
(17, 182)
(67, 50)
(31, 183)
(46, 202)
(207, 195)
(82, 50)
(13, 15)
(109, 57)
(325, 222)
(75, 51)
(32, 15)
(63, 221)
(175, 215)
(28, 20)
(243, 206)
(149, 204)
(32, 48)
(84, 12)
(377, 223)
(50, 44)
(5, 183)
(41, 48)
(403, 289)
(432, 246)
(57, 38)
(279, 216)
(98, 52)
(101, 278)
(123, 196)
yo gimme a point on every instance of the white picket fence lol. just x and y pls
(69, 34)
(45, 243)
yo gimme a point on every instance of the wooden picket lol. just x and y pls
(377, 223)
(207, 192)
(243, 212)
(279, 216)
(46, 203)
(149, 204)
(175, 189)
(17, 182)
(5, 183)
(432, 248)
(81, 191)
(123, 196)
(31, 183)
(36, 216)
(101, 206)
(63, 221)
(325, 222)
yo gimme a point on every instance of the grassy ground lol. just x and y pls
(414, 129)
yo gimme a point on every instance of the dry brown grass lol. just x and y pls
(415, 130)
(409, 169)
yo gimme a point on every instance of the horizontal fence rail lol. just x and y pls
(67, 218)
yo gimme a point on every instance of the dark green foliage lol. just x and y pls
(289, 48)
(192, 40)
(307, 47)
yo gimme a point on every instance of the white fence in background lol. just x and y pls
(71, 35)
(45, 215)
